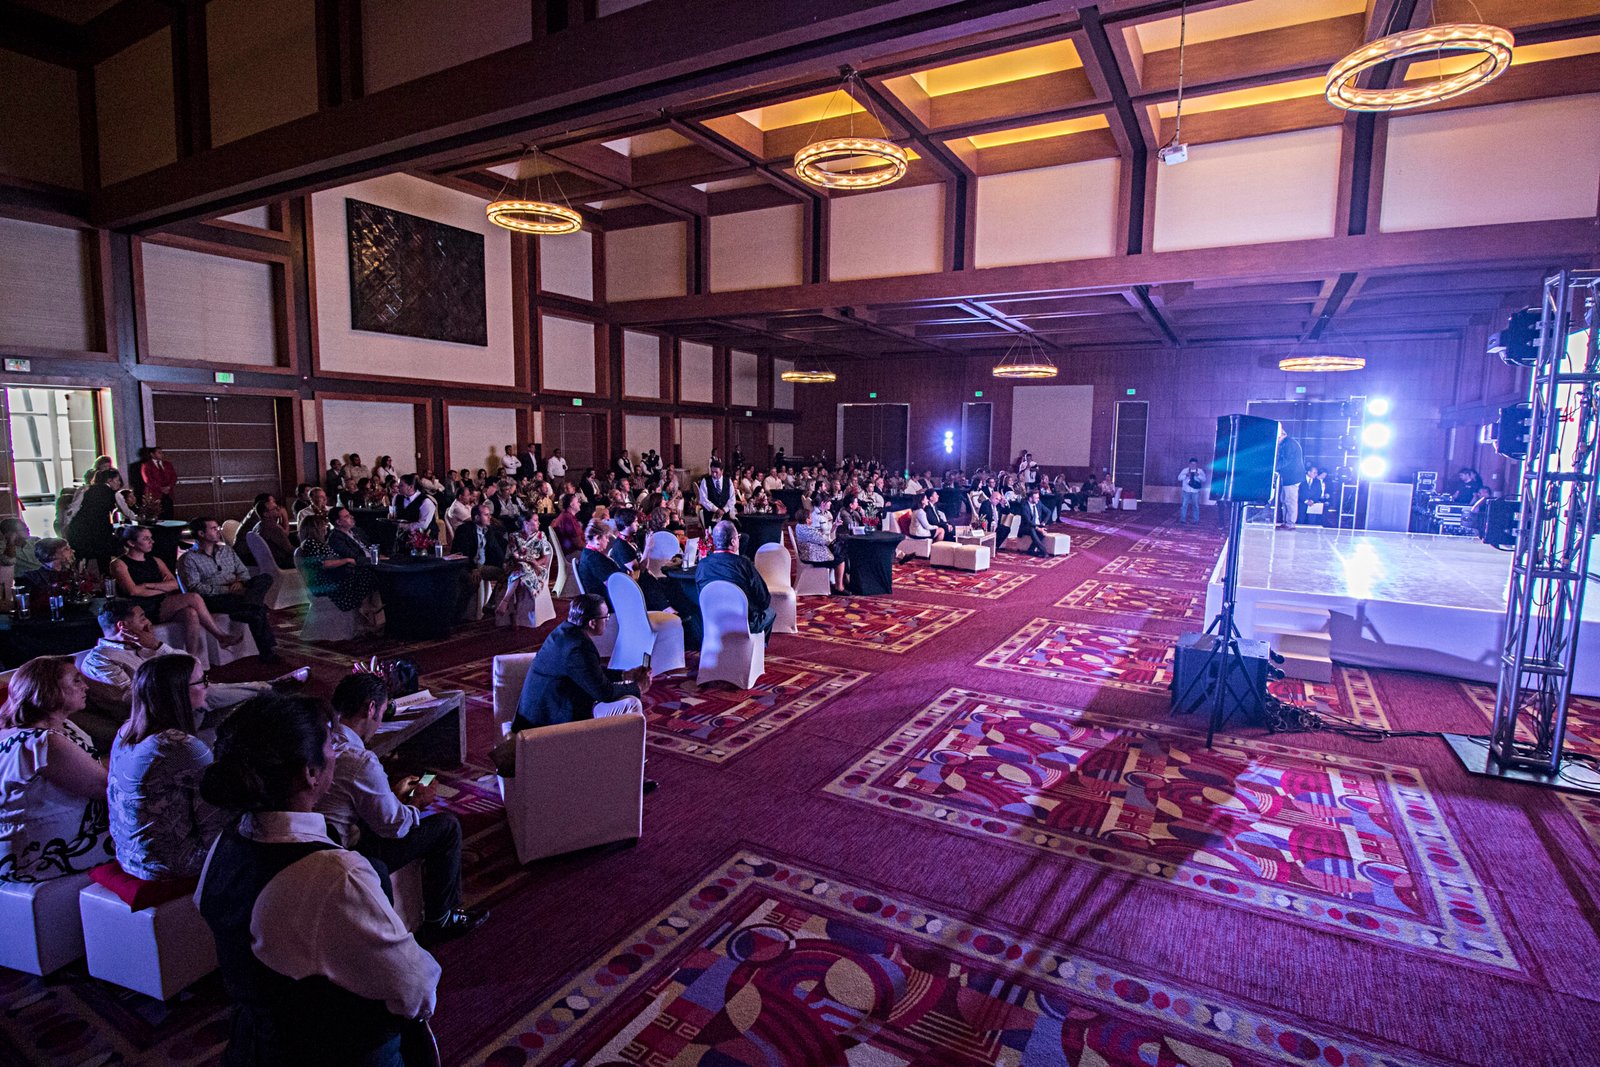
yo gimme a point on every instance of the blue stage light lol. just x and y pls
(1377, 435)
(1374, 467)
(1378, 406)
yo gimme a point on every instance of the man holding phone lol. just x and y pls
(384, 822)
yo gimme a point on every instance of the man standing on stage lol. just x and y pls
(1291, 467)
(1191, 480)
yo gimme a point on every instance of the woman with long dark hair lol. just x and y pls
(320, 968)
(160, 823)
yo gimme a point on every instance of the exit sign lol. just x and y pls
(18, 366)
(224, 377)
(977, 392)
(1132, 392)
(872, 396)
(577, 401)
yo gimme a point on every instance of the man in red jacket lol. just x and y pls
(159, 479)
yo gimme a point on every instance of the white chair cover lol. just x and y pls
(659, 633)
(659, 551)
(810, 581)
(729, 652)
(772, 563)
(288, 587)
(230, 532)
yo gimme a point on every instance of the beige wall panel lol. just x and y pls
(782, 391)
(209, 307)
(134, 110)
(695, 437)
(402, 40)
(757, 249)
(474, 435)
(745, 385)
(888, 233)
(39, 122)
(641, 364)
(567, 354)
(258, 217)
(1476, 166)
(371, 428)
(349, 351)
(641, 434)
(46, 287)
(783, 437)
(1047, 215)
(647, 262)
(695, 373)
(262, 57)
(1282, 187)
(566, 264)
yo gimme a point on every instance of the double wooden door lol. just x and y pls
(226, 449)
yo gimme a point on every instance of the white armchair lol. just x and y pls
(772, 563)
(576, 785)
(911, 546)
(659, 633)
(288, 587)
(729, 652)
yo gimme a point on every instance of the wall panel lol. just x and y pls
(39, 122)
(641, 433)
(568, 354)
(641, 364)
(746, 368)
(757, 249)
(783, 437)
(342, 349)
(1471, 167)
(403, 40)
(213, 308)
(476, 437)
(695, 373)
(134, 109)
(566, 264)
(647, 262)
(372, 428)
(888, 233)
(262, 57)
(782, 391)
(1282, 187)
(1047, 215)
(47, 285)
(695, 437)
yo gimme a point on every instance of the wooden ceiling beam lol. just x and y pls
(1536, 244)
(1129, 125)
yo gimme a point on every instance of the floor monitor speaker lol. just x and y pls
(1194, 678)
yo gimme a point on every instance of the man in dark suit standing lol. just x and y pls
(1291, 467)
(482, 541)
(1033, 522)
(725, 564)
(595, 565)
(716, 495)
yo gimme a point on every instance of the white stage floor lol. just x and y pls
(1421, 602)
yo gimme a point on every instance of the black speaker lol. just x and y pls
(1247, 450)
(1194, 675)
(1500, 522)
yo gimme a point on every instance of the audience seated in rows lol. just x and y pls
(383, 820)
(52, 784)
(725, 564)
(318, 965)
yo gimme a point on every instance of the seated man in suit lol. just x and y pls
(725, 564)
(595, 564)
(567, 683)
(483, 541)
(1033, 522)
(346, 538)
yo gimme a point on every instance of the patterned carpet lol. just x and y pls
(1583, 720)
(959, 825)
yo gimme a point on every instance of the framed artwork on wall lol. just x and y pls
(414, 277)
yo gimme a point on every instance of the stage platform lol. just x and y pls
(1419, 602)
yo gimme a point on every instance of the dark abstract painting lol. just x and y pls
(415, 277)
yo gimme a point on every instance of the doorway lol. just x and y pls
(976, 424)
(55, 436)
(876, 431)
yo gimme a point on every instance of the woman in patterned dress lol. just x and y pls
(528, 563)
(52, 785)
(346, 582)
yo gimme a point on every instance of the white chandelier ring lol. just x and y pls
(1492, 43)
(534, 216)
(809, 377)
(1029, 369)
(1321, 364)
(892, 163)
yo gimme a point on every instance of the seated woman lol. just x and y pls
(145, 580)
(349, 583)
(566, 528)
(528, 559)
(161, 825)
(52, 787)
(319, 967)
(16, 546)
(819, 547)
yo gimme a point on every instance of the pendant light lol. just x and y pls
(889, 159)
(1491, 44)
(1026, 358)
(533, 215)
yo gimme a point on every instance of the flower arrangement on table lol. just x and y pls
(419, 542)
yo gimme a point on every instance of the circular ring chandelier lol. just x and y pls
(811, 376)
(1492, 43)
(534, 216)
(810, 163)
(1026, 358)
(1321, 364)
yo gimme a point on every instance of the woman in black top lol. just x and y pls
(90, 532)
(145, 580)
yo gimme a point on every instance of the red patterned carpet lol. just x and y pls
(959, 826)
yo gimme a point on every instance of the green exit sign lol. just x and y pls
(224, 377)
(577, 401)
(872, 396)
(1132, 392)
(977, 392)
(1299, 388)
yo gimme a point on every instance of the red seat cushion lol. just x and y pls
(905, 523)
(137, 893)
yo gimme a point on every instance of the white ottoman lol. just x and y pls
(156, 951)
(1096, 503)
(1056, 544)
(1128, 503)
(961, 557)
(39, 927)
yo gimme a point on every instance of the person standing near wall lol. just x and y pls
(1191, 481)
(1291, 467)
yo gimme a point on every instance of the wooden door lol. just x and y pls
(226, 450)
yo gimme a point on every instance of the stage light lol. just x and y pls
(1377, 435)
(949, 442)
(1374, 467)
(1378, 406)
(1511, 431)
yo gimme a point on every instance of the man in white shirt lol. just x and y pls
(414, 510)
(318, 506)
(716, 496)
(509, 463)
(460, 509)
(355, 470)
(772, 481)
(1191, 480)
(384, 821)
(555, 466)
(129, 641)
(913, 486)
